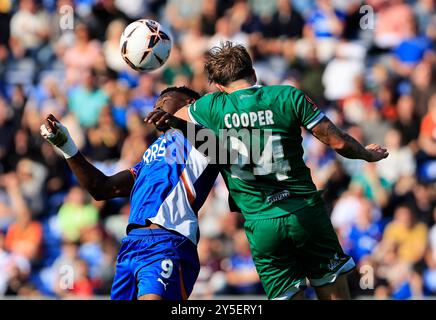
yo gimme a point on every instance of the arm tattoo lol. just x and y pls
(340, 141)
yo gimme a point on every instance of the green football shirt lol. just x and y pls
(262, 124)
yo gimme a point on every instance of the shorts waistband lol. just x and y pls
(152, 232)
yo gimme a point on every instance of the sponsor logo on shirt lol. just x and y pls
(278, 196)
(155, 152)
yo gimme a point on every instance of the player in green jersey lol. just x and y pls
(289, 231)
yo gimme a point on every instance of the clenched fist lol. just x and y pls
(57, 134)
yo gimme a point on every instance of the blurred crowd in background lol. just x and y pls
(369, 65)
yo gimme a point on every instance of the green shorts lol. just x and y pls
(288, 249)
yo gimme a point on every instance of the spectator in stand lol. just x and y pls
(427, 143)
(103, 12)
(365, 233)
(375, 127)
(340, 74)
(401, 252)
(211, 278)
(5, 17)
(91, 250)
(346, 209)
(49, 90)
(144, 96)
(410, 52)
(325, 21)
(395, 22)
(105, 138)
(6, 128)
(24, 236)
(114, 225)
(15, 270)
(208, 17)
(246, 20)
(60, 273)
(424, 13)
(180, 12)
(429, 276)
(75, 215)
(324, 25)
(120, 107)
(286, 22)
(176, 67)
(111, 47)
(226, 30)
(336, 185)
(103, 284)
(375, 188)
(423, 202)
(82, 287)
(406, 234)
(385, 102)
(29, 31)
(87, 100)
(84, 54)
(423, 79)
(241, 274)
(311, 71)
(358, 104)
(400, 162)
(407, 122)
(194, 45)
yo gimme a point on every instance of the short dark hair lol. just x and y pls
(185, 90)
(227, 63)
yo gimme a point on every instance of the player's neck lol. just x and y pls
(238, 85)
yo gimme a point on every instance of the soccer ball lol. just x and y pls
(145, 45)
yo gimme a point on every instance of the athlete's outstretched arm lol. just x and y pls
(100, 186)
(344, 144)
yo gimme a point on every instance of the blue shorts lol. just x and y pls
(155, 261)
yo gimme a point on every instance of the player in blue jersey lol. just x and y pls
(158, 258)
